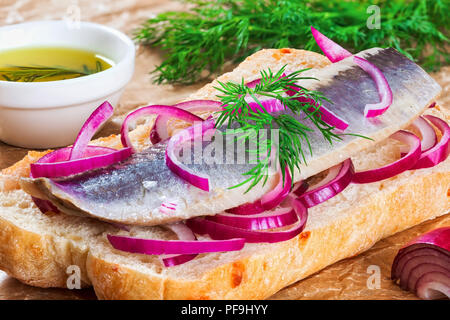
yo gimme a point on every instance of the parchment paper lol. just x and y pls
(348, 279)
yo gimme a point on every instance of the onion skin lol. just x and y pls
(423, 265)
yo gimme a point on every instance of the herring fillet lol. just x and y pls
(139, 189)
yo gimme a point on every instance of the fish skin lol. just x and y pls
(133, 191)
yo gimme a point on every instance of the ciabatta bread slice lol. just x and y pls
(38, 248)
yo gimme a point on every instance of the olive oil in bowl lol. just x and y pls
(41, 64)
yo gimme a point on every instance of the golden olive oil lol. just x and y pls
(40, 64)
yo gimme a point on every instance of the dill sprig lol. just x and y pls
(42, 73)
(197, 42)
(292, 133)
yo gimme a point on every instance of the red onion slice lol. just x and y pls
(331, 49)
(434, 285)
(271, 105)
(89, 128)
(338, 178)
(397, 167)
(326, 115)
(423, 265)
(262, 221)
(158, 247)
(427, 132)
(56, 169)
(55, 164)
(274, 197)
(440, 151)
(384, 90)
(247, 208)
(171, 111)
(159, 130)
(300, 188)
(270, 200)
(183, 233)
(196, 131)
(221, 231)
(44, 205)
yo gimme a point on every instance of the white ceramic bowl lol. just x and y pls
(50, 114)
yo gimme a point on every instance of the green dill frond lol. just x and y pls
(292, 133)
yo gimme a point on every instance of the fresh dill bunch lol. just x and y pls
(41, 73)
(197, 42)
(292, 133)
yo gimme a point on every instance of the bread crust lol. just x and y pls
(41, 259)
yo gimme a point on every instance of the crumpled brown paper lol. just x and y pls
(347, 279)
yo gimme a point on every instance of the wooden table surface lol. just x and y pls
(343, 280)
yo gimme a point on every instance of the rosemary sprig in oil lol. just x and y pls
(42, 73)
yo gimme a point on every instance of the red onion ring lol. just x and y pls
(221, 231)
(198, 180)
(268, 201)
(262, 221)
(158, 247)
(331, 49)
(89, 128)
(254, 83)
(44, 205)
(271, 105)
(338, 178)
(423, 265)
(159, 130)
(427, 132)
(55, 164)
(384, 90)
(440, 151)
(52, 165)
(78, 158)
(171, 111)
(326, 115)
(300, 188)
(397, 167)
